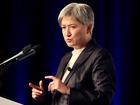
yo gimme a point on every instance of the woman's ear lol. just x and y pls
(89, 28)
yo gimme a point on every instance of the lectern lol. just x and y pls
(4, 101)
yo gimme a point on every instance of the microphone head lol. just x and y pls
(36, 47)
(27, 48)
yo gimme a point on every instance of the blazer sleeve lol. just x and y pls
(103, 79)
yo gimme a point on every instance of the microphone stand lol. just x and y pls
(26, 52)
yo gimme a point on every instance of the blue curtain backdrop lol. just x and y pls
(24, 22)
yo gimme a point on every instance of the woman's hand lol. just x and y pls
(38, 92)
(57, 85)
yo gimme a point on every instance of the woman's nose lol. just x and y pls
(68, 33)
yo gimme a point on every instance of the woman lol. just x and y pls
(85, 75)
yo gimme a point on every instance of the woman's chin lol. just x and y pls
(70, 45)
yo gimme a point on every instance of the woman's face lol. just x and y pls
(76, 35)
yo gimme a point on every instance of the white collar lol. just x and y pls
(77, 51)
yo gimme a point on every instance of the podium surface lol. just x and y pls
(4, 101)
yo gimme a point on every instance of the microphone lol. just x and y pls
(24, 53)
(69, 69)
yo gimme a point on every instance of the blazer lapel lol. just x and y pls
(82, 57)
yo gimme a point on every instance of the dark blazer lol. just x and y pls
(91, 79)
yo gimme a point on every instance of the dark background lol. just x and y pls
(24, 22)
